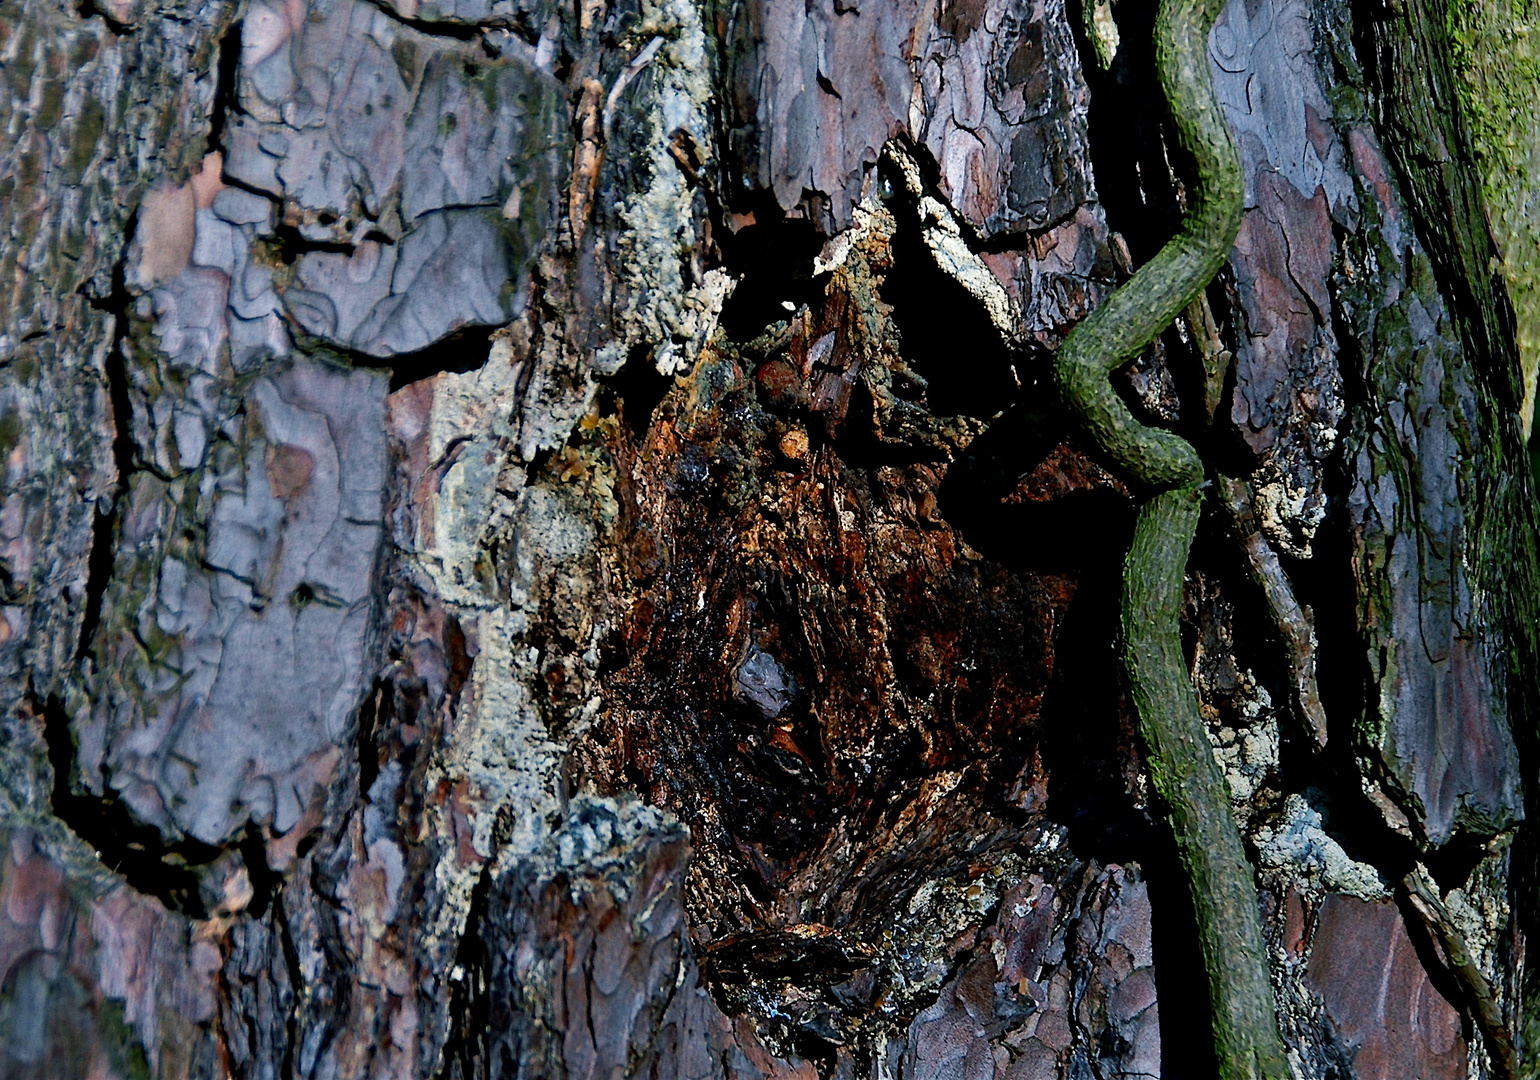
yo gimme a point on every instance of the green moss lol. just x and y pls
(51, 107)
(10, 433)
(83, 140)
(1496, 49)
(123, 1046)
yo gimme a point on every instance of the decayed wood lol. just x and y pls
(504, 572)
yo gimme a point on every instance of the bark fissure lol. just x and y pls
(124, 845)
(105, 522)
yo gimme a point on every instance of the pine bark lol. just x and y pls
(538, 540)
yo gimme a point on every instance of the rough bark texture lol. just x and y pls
(538, 541)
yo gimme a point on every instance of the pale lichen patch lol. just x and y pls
(663, 307)
(505, 764)
(468, 429)
(1298, 847)
(944, 238)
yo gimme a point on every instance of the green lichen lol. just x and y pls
(1496, 50)
(124, 1050)
(11, 432)
(87, 133)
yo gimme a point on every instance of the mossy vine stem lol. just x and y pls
(1187, 779)
(1181, 763)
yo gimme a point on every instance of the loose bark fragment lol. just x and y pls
(1287, 402)
(1390, 1019)
(1292, 622)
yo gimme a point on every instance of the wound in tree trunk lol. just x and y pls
(766, 538)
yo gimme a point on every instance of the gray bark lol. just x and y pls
(537, 542)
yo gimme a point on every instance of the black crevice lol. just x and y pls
(1222, 446)
(1090, 734)
(226, 101)
(1182, 987)
(638, 389)
(467, 1050)
(236, 182)
(265, 881)
(1023, 238)
(288, 243)
(104, 524)
(87, 9)
(945, 334)
(296, 985)
(773, 259)
(466, 349)
(1126, 114)
(126, 846)
(433, 28)
(380, 701)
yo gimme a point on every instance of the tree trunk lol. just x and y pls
(539, 539)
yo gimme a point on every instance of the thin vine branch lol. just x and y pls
(1181, 764)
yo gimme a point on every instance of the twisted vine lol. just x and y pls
(1181, 764)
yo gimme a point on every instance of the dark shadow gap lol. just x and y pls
(773, 260)
(1126, 114)
(372, 714)
(265, 881)
(467, 1046)
(1084, 528)
(127, 847)
(1186, 1029)
(296, 984)
(432, 27)
(945, 335)
(104, 525)
(88, 9)
(462, 351)
(638, 389)
(289, 244)
(226, 102)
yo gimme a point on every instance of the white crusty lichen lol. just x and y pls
(600, 838)
(503, 761)
(498, 763)
(1297, 848)
(661, 308)
(1290, 508)
(467, 431)
(1247, 751)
